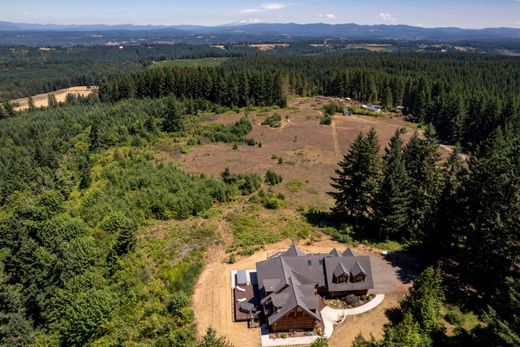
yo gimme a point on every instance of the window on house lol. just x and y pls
(341, 279)
(309, 262)
(321, 262)
(359, 278)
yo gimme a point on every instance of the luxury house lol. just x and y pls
(292, 285)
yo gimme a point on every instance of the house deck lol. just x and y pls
(250, 295)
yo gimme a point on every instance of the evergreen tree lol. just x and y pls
(173, 119)
(406, 333)
(52, 102)
(424, 301)
(503, 319)
(492, 202)
(421, 160)
(8, 109)
(358, 178)
(391, 207)
(84, 171)
(448, 215)
(212, 340)
(94, 138)
(30, 104)
(388, 99)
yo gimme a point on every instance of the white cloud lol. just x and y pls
(273, 5)
(327, 15)
(385, 17)
(266, 6)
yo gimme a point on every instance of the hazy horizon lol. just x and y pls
(470, 14)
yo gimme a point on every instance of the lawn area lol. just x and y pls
(203, 62)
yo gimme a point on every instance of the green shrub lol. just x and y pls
(326, 120)
(331, 108)
(246, 183)
(228, 134)
(454, 316)
(294, 186)
(272, 178)
(274, 121)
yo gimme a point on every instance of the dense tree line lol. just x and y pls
(465, 97)
(218, 85)
(466, 209)
(75, 187)
(26, 71)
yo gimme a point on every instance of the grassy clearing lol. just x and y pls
(203, 62)
(252, 228)
(455, 319)
(294, 186)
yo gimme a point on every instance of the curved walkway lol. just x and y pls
(330, 317)
(333, 316)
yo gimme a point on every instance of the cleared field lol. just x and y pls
(42, 100)
(304, 152)
(269, 46)
(212, 301)
(373, 48)
(203, 62)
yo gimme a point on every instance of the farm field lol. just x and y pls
(203, 62)
(41, 100)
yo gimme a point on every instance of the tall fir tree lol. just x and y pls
(422, 158)
(358, 178)
(173, 119)
(391, 208)
(447, 234)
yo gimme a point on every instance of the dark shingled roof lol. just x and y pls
(289, 279)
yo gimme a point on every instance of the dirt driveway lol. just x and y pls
(212, 300)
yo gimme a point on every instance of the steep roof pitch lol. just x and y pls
(294, 251)
(357, 269)
(289, 279)
(340, 270)
(295, 299)
(348, 263)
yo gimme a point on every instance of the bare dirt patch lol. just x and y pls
(269, 46)
(41, 100)
(309, 151)
(212, 300)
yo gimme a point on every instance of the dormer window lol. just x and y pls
(359, 278)
(342, 279)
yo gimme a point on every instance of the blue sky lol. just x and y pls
(428, 13)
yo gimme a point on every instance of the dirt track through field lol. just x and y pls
(337, 150)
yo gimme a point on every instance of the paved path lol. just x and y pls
(333, 316)
(330, 317)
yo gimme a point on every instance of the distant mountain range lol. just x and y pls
(259, 31)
